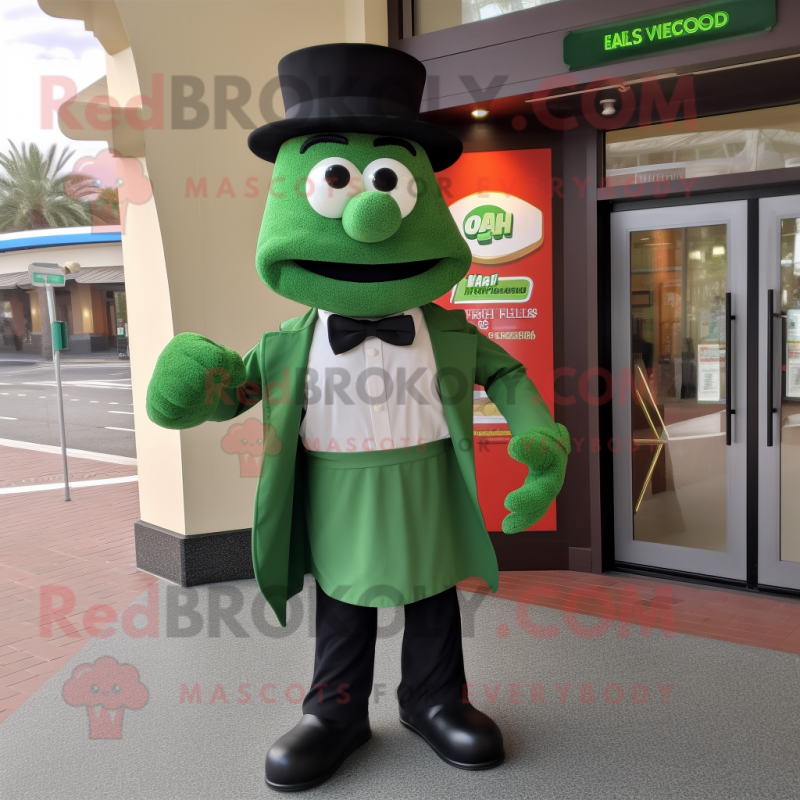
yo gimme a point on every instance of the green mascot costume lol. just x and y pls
(368, 475)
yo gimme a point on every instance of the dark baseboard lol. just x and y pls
(226, 555)
(530, 550)
(193, 560)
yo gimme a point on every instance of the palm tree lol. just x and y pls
(33, 190)
(105, 210)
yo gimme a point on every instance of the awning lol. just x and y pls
(12, 279)
(99, 275)
(90, 275)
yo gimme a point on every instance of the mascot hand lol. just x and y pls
(544, 451)
(186, 383)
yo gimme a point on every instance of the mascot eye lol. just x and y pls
(95, 688)
(331, 185)
(393, 178)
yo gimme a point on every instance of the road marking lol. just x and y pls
(14, 418)
(74, 400)
(94, 401)
(3, 392)
(81, 384)
(43, 487)
(113, 404)
(22, 395)
(49, 448)
(120, 412)
(42, 397)
(130, 430)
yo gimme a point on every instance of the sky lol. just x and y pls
(33, 45)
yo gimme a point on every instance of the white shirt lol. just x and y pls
(377, 396)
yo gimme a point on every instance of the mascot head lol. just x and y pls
(355, 222)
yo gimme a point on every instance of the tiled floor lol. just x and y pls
(733, 616)
(87, 546)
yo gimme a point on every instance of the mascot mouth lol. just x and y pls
(367, 273)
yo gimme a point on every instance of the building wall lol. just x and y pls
(99, 316)
(189, 252)
(81, 297)
(36, 317)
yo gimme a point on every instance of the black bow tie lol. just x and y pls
(345, 333)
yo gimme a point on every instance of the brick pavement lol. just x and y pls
(742, 617)
(87, 546)
(19, 467)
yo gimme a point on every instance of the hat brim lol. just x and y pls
(442, 147)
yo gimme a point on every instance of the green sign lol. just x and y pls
(60, 335)
(647, 36)
(492, 289)
(488, 222)
(43, 278)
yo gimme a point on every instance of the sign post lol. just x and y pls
(50, 276)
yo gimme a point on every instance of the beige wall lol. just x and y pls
(89, 255)
(81, 296)
(36, 319)
(189, 261)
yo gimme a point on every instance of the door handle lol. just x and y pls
(772, 315)
(729, 409)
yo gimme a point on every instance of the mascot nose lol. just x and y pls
(371, 217)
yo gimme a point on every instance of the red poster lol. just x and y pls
(501, 202)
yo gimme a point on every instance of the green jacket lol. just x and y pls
(278, 364)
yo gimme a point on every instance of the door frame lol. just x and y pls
(753, 194)
(732, 564)
(772, 571)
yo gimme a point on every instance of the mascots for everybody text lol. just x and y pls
(368, 475)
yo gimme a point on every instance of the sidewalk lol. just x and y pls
(21, 467)
(85, 545)
(13, 359)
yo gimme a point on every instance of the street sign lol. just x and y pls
(46, 274)
(39, 279)
(49, 276)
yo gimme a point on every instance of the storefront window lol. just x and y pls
(790, 389)
(679, 279)
(746, 142)
(435, 15)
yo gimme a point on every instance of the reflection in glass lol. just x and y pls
(679, 278)
(790, 390)
(435, 15)
(747, 141)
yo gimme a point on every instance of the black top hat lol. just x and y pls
(358, 88)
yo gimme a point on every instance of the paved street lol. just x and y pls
(98, 406)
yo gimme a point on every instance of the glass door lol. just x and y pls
(779, 393)
(679, 331)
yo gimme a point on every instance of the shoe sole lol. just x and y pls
(300, 787)
(459, 764)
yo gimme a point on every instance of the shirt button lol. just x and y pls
(379, 406)
(372, 351)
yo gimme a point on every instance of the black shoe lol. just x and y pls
(312, 751)
(459, 734)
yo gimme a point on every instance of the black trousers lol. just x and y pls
(432, 660)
